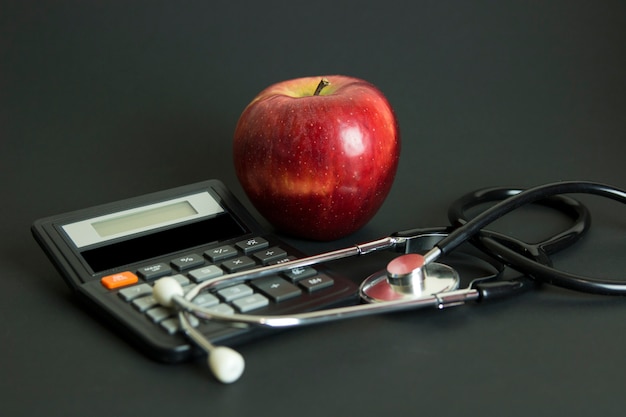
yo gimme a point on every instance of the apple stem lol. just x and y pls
(323, 83)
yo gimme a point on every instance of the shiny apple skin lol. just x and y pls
(317, 167)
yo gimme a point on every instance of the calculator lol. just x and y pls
(112, 254)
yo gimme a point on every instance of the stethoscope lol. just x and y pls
(414, 279)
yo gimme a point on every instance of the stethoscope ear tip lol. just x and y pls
(165, 289)
(226, 364)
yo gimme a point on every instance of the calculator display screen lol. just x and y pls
(139, 233)
(163, 242)
(145, 218)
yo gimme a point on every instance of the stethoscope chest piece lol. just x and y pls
(407, 277)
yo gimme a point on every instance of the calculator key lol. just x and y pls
(269, 255)
(252, 244)
(154, 271)
(251, 302)
(205, 300)
(188, 261)
(238, 264)
(316, 283)
(145, 303)
(171, 325)
(287, 258)
(121, 279)
(204, 273)
(234, 292)
(297, 274)
(181, 279)
(222, 308)
(276, 288)
(220, 253)
(158, 314)
(208, 327)
(130, 293)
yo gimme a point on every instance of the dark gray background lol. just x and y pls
(102, 101)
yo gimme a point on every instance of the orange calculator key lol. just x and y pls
(121, 279)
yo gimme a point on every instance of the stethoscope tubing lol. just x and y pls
(518, 256)
(578, 212)
(529, 196)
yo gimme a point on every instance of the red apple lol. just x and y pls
(317, 155)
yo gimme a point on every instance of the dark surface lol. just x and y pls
(102, 101)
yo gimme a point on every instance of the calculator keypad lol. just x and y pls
(244, 298)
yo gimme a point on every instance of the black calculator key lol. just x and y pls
(185, 262)
(287, 258)
(296, 274)
(316, 283)
(276, 288)
(221, 253)
(270, 255)
(238, 264)
(154, 271)
(252, 244)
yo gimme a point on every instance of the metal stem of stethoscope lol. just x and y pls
(442, 300)
(356, 250)
(168, 293)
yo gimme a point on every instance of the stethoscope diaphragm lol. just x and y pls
(406, 277)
